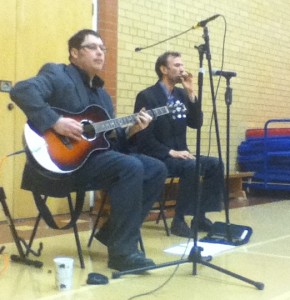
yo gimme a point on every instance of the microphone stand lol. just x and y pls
(227, 233)
(195, 253)
(225, 191)
(228, 101)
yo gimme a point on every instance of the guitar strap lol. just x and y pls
(45, 213)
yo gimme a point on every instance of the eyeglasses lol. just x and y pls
(94, 47)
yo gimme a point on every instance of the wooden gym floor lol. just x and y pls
(265, 259)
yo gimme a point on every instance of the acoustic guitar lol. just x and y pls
(60, 154)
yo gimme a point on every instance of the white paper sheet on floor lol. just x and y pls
(208, 248)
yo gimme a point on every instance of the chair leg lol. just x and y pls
(162, 204)
(79, 248)
(101, 209)
(162, 215)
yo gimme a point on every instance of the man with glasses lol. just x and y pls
(165, 139)
(134, 181)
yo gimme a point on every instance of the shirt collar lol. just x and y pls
(97, 81)
(165, 89)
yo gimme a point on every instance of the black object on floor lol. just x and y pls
(97, 278)
(229, 234)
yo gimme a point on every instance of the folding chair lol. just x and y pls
(44, 184)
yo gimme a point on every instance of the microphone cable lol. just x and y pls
(163, 41)
(218, 84)
(11, 154)
(167, 280)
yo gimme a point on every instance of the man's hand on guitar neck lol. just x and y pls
(143, 119)
(69, 127)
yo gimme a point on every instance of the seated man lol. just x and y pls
(165, 139)
(133, 181)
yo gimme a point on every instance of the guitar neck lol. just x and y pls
(128, 120)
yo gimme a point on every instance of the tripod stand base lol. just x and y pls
(145, 269)
(258, 285)
(195, 258)
(26, 261)
(229, 234)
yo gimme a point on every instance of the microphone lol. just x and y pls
(226, 74)
(204, 22)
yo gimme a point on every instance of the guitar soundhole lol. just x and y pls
(89, 132)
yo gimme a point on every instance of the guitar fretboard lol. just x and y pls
(128, 120)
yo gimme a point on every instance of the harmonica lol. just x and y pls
(185, 76)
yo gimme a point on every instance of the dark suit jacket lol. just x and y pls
(56, 85)
(165, 133)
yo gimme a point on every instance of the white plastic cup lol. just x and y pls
(63, 273)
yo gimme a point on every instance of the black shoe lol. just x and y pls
(180, 228)
(204, 224)
(130, 262)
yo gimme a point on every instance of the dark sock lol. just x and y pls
(202, 216)
(178, 217)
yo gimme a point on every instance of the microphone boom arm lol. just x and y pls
(198, 25)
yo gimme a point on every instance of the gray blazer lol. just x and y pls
(56, 85)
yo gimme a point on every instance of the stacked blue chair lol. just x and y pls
(266, 152)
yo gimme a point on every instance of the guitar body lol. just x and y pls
(61, 154)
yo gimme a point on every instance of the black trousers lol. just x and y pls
(134, 182)
(211, 189)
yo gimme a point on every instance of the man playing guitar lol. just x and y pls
(134, 181)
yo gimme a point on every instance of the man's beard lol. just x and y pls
(175, 80)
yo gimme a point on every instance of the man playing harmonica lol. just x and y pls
(165, 139)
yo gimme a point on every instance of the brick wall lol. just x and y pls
(256, 47)
(108, 28)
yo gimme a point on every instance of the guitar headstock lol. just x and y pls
(177, 110)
